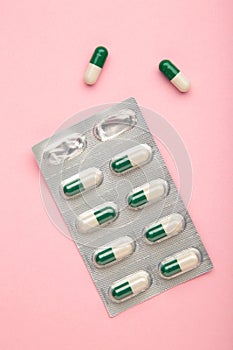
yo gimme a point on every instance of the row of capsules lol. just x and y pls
(125, 246)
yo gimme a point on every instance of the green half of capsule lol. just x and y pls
(72, 188)
(105, 256)
(168, 69)
(155, 233)
(122, 291)
(137, 199)
(104, 215)
(170, 268)
(121, 164)
(99, 56)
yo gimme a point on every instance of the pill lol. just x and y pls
(174, 75)
(132, 158)
(99, 216)
(83, 181)
(115, 125)
(130, 286)
(114, 251)
(95, 65)
(150, 192)
(164, 228)
(180, 263)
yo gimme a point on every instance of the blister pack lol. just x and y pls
(121, 206)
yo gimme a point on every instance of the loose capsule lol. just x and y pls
(165, 228)
(180, 263)
(114, 251)
(132, 158)
(130, 286)
(99, 216)
(174, 75)
(95, 65)
(152, 191)
(83, 181)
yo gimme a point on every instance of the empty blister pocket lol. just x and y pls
(115, 125)
(121, 206)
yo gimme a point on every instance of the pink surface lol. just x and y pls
(47, 298)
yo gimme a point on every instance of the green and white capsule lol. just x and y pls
(130, 286)
(132, 158)
(165, 228)
(99, 216)
(95, 65)
(148, 193)
(81, 182)
(180, 263)
(174, 75)
(114, 251)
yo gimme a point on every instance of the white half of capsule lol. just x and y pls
(121, 248)
(155, 189)
(90, 178)
(138, 282)
(87, 221)
(181, 82)
(92, 74)
(138, 155)
(172, 225)
(187, 259)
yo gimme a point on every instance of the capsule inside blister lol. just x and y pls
(99, 216)
(83, 181)
(130, 286)
(132, 158)
(65, 149)
(114, 251)
(164, 228)
(115, 125)
(150, 192)
(180, 263)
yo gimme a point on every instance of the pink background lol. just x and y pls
(47, 298)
